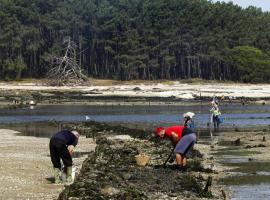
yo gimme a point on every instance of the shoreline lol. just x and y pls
(112, 101)
(135, 93)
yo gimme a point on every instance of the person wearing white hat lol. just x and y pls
(188, 120)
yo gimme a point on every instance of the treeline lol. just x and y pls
(137, 39)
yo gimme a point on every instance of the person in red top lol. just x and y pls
(182, 139)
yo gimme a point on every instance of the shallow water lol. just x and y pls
(234, 115)
(251, 192)
(36, 129)
(44, 120)
(250, 178)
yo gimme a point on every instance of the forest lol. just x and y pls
(137, 39)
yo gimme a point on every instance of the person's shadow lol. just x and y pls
(50, 179)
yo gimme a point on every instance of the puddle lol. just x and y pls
(246, 179)
(250, 178)
(234, 159)
(36, 129)
(235, 152)
(251, 167)
(251, 192)
(264, 173)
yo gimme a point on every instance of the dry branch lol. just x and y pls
(65, 70)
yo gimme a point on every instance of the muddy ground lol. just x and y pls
(25, 167)
(253, 145)
(241, 157)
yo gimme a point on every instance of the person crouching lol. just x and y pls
(61, 148)
(182, 139)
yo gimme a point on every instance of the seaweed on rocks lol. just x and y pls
(92, 128)
(111, 171)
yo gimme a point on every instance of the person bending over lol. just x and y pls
(182, 139)
(61, 148)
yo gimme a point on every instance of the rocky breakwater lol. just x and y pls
(111, 172)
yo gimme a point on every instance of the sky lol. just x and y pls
(264, 4)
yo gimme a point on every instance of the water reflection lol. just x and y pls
(39, 129)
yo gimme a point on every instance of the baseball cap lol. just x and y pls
(158, 130)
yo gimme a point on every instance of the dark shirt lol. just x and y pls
(67, 137)
(187, 131)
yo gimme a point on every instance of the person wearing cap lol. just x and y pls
(182, 139)
(188, 120)
(62, 146)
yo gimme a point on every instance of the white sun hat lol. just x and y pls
(189, 114)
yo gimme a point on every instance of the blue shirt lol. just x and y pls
(191, 125)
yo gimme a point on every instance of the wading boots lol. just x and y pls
(57, 176)
(69, 179)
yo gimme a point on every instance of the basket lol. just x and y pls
(142, 159)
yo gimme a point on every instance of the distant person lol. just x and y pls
(182, 139)
(189, 120)
(230, 99)
(243, 100)
(215, 114)
(61, 148)
(222, 98)
(215, 99)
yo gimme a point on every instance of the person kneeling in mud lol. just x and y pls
(61, 148)
(182, 139)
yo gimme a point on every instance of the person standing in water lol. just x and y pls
(215, 113)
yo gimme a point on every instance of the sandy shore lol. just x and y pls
(150, 89)
(25, 167)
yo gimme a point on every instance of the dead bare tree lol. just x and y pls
(66, 70)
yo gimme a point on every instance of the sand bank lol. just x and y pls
(25, 166)
(158, 90)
